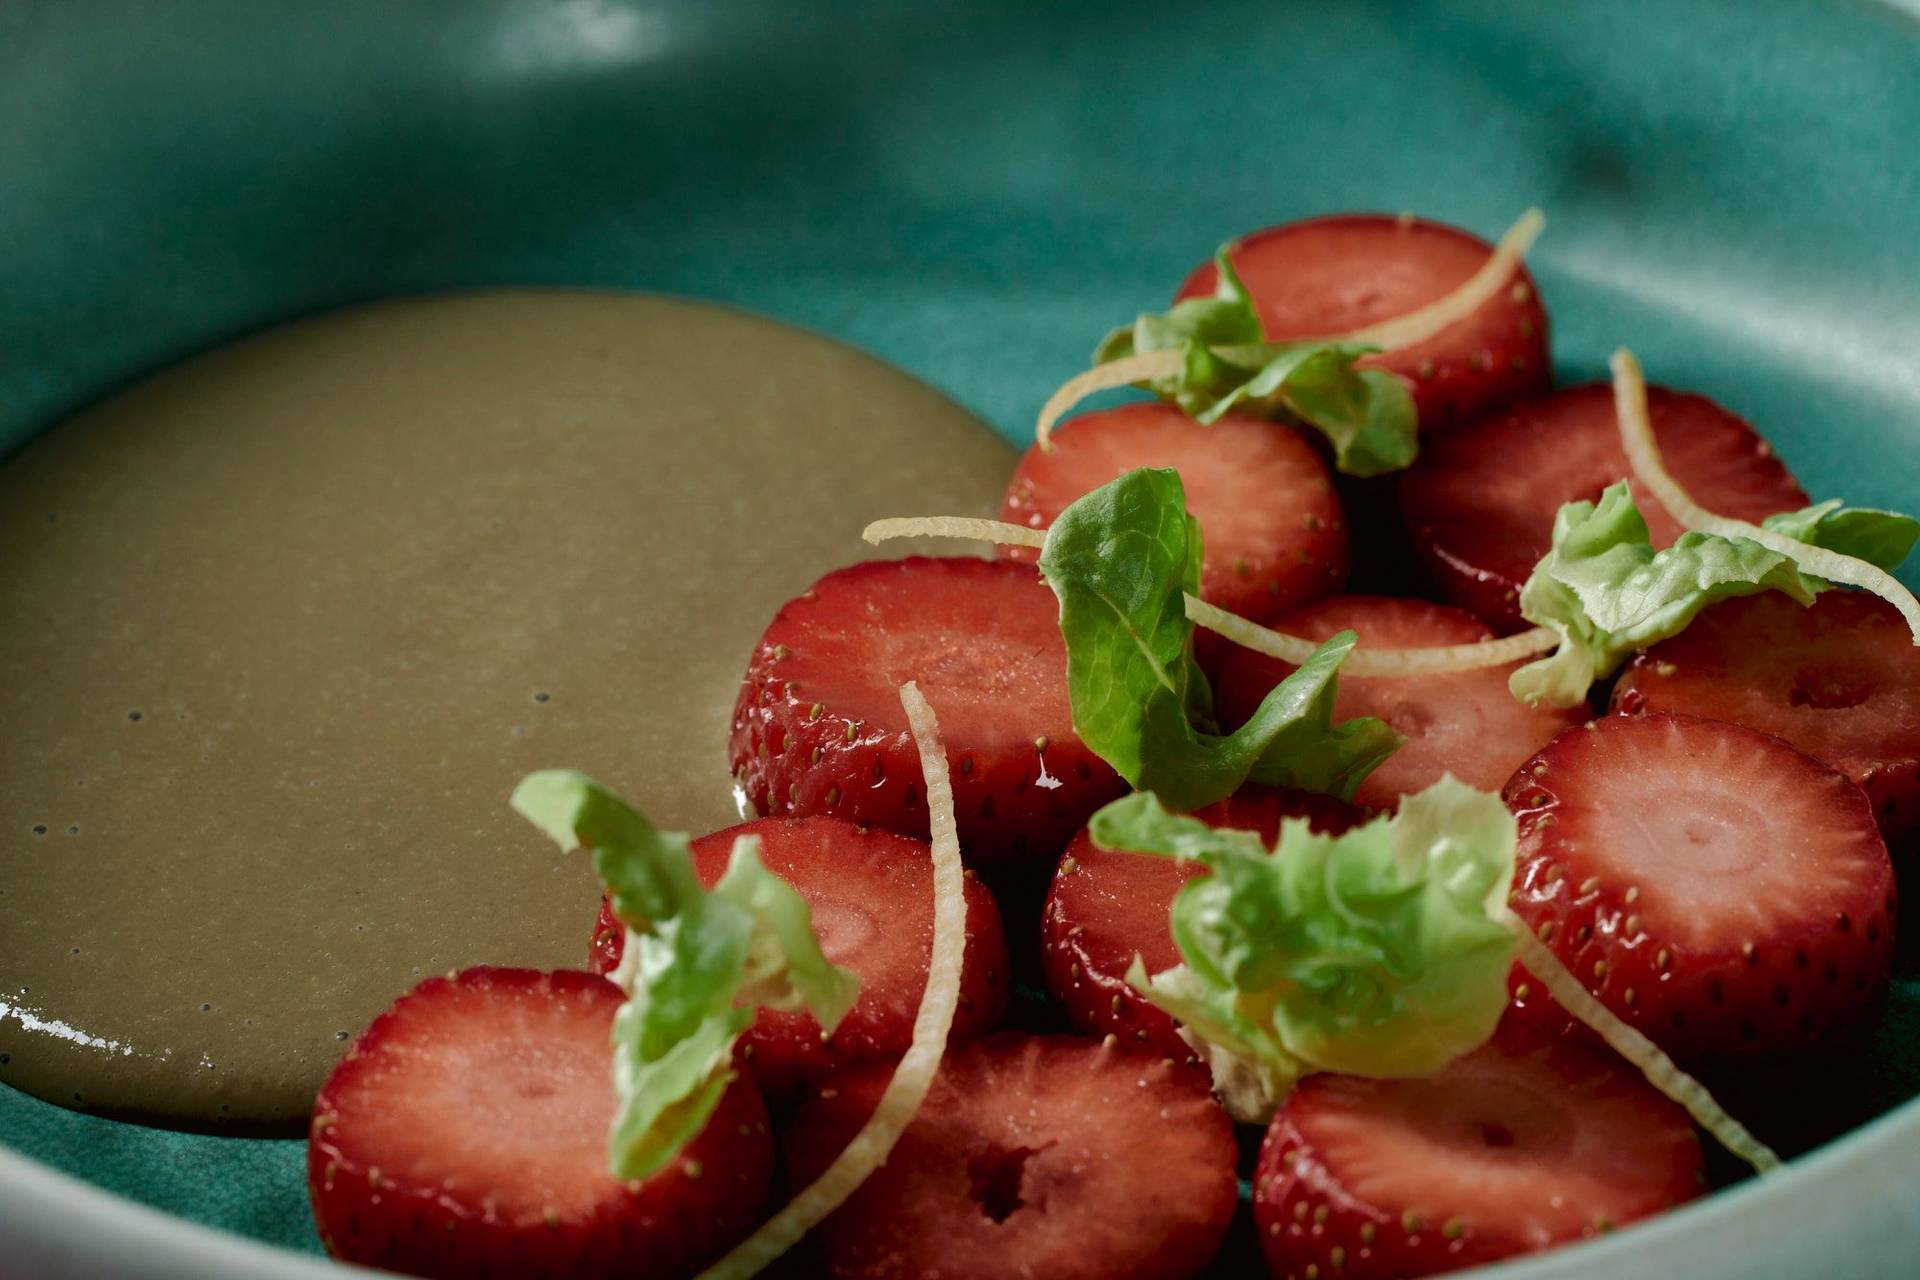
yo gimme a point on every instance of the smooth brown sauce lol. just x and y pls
(281, 628)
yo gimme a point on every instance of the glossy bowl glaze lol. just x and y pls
(975, 193)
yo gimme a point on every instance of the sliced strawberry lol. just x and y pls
(1334, 274)
(819, 729)
(1466, 723)
(1107, 906)
(1526, 1143)
(1479, 502)
(465, 1134)
(871, 893)
(1032, 1156)
(1839, 680)
(1272, 528)
(608, 940)
(1725, 894)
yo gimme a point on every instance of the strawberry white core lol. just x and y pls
(1746, 829)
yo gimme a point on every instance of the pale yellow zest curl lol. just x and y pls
(1126, 371)
(1654, 1064)
(1417, 326)
(1650, 469)
(914, 1076)
(1294, 649)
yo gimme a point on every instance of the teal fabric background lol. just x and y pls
(974, 192)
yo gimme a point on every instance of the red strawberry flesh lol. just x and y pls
(818, 728)
(1479, 502)
(1032, 1156)
(465, 1133)
(1722, 892)
(1840, 680)
(1331, 275)
(1524, 1144)
(871, 894)
(1107, 906)
(607, 942)
(1272, 528)
(1465, 723)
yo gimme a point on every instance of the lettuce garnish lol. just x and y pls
(1380, 952)
(1881, 538)
(1228, 366)
(696, 965)
(1121, 560)
(1607, 593)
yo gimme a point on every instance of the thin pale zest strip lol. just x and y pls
(1000, 531)
(914, 1076)
(1144, 367)
(1654, 1064)
(1424, 322)
(1643, 452)
(1293, 649)
(1440, 660)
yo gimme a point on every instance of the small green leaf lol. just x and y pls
(1304, 749)
(649, 873)
(696, 963)
(1607, 592)
(1882, 538)
(786, 969)
(665, 1101)
(1228, 366)
(1121, 560)
(1379, 952)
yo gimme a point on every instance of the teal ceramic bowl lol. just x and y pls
(973, 192)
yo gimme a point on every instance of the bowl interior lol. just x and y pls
(975, 194)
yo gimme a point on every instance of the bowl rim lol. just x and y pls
(61, 1228)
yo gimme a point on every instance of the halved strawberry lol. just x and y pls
(1479, 502)
(465, 1134)
(1272, 528)
(1107, 906)
(1466, 723)
(1839, 680)
(871, 893)
(1725, 894)
(819, 729)
(1526, 1143)
(1032, 1156)
(1342, 272)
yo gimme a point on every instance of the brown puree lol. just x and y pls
(281, 628)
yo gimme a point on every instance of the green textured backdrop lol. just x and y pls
(972, 191)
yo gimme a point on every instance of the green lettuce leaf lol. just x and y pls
(1380, 952)
(1120, 559)
(1882, 538)
(785, 968)
(696, 964)
(1228, 366)
(1608, 593)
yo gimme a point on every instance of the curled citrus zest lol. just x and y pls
(1650, 469)
(1418, 325)
(1653, 1063)
(914, 1076)
(1441, 660)
(1011, 535)
(1125, 371)
(1291, 649)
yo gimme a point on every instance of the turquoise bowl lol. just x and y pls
(973, 192)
